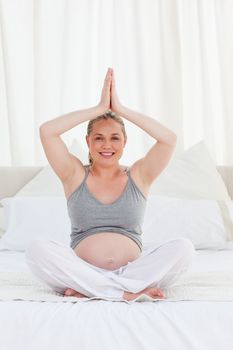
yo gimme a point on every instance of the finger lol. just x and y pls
(109, 72)
(107, 85)
(113, 78)
(108, 77)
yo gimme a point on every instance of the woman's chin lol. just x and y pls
(107, 159)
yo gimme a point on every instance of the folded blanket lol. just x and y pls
(208, 286)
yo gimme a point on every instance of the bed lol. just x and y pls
(198, 310)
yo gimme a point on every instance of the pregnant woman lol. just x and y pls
(106, 203)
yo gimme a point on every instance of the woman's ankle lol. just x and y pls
(130, 296)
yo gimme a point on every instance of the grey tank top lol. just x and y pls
(89, 216)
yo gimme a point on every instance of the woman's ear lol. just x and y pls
(87, 140)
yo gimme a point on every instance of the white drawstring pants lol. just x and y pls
(58, 266)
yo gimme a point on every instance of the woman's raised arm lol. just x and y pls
(68, 121)
(64, 163)
(157, 158)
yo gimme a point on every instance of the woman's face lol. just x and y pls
(106, 137)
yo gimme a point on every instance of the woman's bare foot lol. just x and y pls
(153, 292)
(69, 292)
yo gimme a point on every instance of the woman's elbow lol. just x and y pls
(172, 139)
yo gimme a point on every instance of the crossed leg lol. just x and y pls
(155, 270)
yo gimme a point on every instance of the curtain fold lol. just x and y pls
(172, 60)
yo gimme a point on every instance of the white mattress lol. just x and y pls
(101, 324)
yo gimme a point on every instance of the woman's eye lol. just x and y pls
(114, 138)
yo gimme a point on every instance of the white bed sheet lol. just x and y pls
(102, 324)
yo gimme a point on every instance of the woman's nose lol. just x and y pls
(107, 144)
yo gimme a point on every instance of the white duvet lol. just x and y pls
(197, 313)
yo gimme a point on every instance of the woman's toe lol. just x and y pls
(159, 292)
(69, 292)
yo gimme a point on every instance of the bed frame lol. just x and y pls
(12, 179)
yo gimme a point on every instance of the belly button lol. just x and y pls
(111, 259)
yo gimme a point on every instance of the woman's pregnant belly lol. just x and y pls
(108, 250)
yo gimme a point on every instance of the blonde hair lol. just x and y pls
(107, 115)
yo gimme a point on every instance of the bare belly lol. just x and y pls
(108, 250)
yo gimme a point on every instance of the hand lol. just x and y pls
(105, 95)
(115, 104)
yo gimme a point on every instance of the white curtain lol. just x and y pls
(172, 60)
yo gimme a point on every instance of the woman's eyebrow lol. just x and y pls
(115, 133)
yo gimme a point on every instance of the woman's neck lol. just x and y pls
(107, 173)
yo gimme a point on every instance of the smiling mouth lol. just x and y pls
(107, 154)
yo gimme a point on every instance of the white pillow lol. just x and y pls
(46, 182)
(207, 223)
(29, 218)
(2, 221)
(1, 232)
(191, 175)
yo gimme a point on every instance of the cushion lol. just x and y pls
(191, 175)
(207, 223)
(29, 218)
(46, 182)
(2, 221)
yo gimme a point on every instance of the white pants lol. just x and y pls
(58, 266)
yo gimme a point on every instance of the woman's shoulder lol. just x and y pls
(133, 171)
